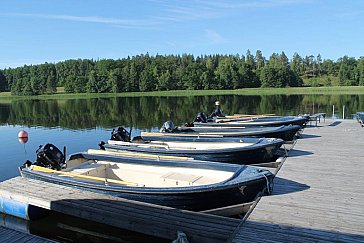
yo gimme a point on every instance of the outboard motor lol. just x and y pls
(50, 156)
(201, 117)
(168, 126)
(120, 134)
(217, 113)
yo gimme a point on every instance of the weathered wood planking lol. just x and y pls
(141, 217)
(318, 193)
(10, 235)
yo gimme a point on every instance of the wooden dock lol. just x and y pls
(154, 220)
(318, 197)
(318, 193)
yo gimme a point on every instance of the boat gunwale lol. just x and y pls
(144, 190)
(235, 134)
(258, 145)
(225, 184)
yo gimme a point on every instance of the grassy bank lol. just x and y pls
(254, 91)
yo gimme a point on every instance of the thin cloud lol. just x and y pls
(214, 37)
(253, 4)
(89, 19)
(179, 11)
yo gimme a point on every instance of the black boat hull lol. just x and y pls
(287, 133)
(260, 154)
(264, 121)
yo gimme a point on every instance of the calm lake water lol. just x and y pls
(80, 124)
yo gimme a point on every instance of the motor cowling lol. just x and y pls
(201, 117)
(50, 156)
(217, 113)
(120, 134)
(168, 126)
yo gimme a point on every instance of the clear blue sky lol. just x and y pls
(38, 31)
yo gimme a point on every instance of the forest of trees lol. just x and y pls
(180, 72)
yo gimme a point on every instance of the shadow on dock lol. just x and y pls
(64, 228)
(313, 126)
(336, 123)
(284, 186)
(252, 230)
(61, 227)
(153, 221)
(296, 153)
(307, 136)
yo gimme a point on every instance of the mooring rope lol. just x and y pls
(268, 184)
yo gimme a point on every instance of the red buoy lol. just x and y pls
(23, 140)
(22, 134)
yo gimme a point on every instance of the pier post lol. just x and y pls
(333, 111)
(343, 112)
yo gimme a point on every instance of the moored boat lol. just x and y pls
(256, 121)
(242, 151)
(192, 185)
(287, 133)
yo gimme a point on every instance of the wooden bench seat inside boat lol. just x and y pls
(95, 169)
(178, 177)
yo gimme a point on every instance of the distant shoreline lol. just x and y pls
(247, 91)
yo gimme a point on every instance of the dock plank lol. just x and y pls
(141, 217)
(319, 194)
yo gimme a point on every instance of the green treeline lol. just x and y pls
(181, 72)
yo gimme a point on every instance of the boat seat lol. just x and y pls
(181, 178)
(92, 169)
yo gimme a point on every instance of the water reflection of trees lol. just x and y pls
(148, 112)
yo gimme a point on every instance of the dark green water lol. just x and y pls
(148, 112)
(80, 124)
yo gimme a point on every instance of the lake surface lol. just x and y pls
(80, 124)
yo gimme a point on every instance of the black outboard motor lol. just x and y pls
(168, 126)
(217, 113)
(120, 134)
(201, 117)
(49, 156)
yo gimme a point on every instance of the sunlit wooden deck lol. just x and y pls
(318, 193)
(318, 197)
(150, 219)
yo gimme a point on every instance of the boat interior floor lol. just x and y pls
(146, 175)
